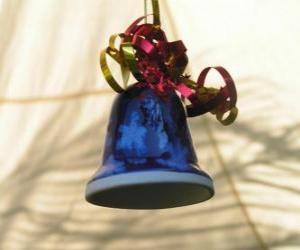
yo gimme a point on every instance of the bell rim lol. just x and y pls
(152, 177)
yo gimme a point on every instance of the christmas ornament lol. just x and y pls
(149, 161)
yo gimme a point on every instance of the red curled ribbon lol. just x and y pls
(145, 52)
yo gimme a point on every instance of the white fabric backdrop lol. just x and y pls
(54, 106)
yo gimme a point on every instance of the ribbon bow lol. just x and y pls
(145, 52)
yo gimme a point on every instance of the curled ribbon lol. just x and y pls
(145, 52)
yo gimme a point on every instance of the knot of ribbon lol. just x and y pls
(155, 62)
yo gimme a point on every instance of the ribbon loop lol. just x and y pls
(107, 73)
(221, 101)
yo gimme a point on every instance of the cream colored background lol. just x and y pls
(54, 107)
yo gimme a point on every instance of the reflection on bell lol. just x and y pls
(149, 161)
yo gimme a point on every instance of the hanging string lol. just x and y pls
(156, 12)
(145, 11)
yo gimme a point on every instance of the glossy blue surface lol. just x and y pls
(147, 131)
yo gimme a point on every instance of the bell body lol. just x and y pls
(149, 161)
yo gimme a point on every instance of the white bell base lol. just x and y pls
(150, 189)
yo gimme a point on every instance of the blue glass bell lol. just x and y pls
(149, 161)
